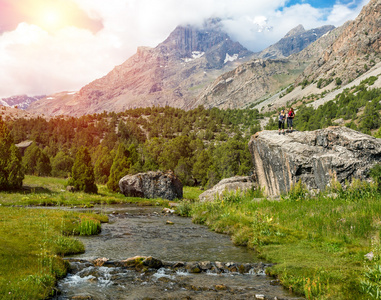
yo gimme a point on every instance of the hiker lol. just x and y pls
(282, 118)
(290, 118)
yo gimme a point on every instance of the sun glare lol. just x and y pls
(51, 18)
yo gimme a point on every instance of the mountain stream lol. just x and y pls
(194, 262)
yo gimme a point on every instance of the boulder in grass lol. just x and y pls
(152, 185)
(228, 185)
(313, 157)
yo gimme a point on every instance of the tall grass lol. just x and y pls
(318, 242)
(32, 242)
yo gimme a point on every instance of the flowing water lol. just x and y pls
(144, 231)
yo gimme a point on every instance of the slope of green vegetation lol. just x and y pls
(317, 242)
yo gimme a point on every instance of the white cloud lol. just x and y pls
(33, 61)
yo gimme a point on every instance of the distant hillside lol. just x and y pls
(21, 101)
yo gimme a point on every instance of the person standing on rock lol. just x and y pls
(282, 118)
(290, 119)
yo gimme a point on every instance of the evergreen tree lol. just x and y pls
(82, 173)
(36, 162)
(11, 170)
(62, 164)
(120, 168)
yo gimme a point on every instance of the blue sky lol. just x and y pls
(322, 3)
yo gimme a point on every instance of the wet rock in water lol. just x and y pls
(82, 297)
(193, 267)
(99, 262)
(169, 222)
(133, 261)
(168, 210)
(314, 157)
(152, 185)
(221, 287)
(233, 184)
(152, 263)
(205, 265)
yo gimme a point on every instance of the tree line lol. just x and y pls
(201, 146)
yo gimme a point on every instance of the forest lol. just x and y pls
(201, 146)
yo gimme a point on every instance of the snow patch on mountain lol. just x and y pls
(195, 55)
(230, 58)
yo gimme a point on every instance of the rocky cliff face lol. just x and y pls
(355, 50)
(171, 74)
(294, 41)
(312, 157)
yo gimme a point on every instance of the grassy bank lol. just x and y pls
(32, 242)
(49, 191)
(318, 243)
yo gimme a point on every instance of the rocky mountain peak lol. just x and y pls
(295, 41)
(297, 30)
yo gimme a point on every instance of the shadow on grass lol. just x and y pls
(34, 190)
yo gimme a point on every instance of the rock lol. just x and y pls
(152, 263)
(237, 183)
(205, 265)
(133, 261)
(369, 256)
(100, 261)
(193, 267)
(260, 297)
(169, 222)
(168, 210)
(152, 185)
(313, 157)
(70, 188)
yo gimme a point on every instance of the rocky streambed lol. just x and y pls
(143, 253)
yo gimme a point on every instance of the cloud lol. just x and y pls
(34, 61)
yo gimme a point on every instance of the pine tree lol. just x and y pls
(82, 173)
(11, 170)
(120, 168)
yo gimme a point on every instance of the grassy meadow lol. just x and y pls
(317, 243)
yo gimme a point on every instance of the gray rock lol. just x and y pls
(237, 183)
(313, 157)
(152, 185)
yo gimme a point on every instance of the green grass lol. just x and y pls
(318, 243)
(49, 191)
(32, 242)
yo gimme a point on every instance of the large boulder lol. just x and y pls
(233, 184)
(152, 185)
(313, 157)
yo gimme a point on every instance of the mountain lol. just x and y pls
(354, 52)
(252, 82)
(173, 74)
(21, 101)
(294, 41)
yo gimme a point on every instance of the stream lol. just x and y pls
(195, 263)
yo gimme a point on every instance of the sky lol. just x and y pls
(49, 46)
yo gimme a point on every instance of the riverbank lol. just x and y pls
(33, 241)
(318, 243)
